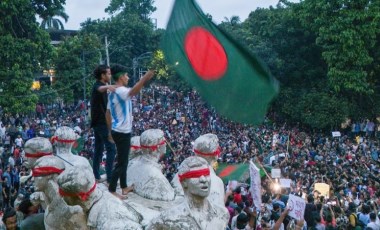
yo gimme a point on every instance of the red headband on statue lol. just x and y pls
(44, 171)
(194, 174)
(215, 153)
(153, 147)
(37, 154)
(135, 147)
(56, 139)
(82, 195)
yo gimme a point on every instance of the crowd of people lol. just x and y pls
(348, 163)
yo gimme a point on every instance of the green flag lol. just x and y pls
(226, 75)
(238, 172)
(78, 146)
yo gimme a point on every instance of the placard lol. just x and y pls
(336, 134)
(323, 188)
(276, 173)
(285, 183)
(296, 207)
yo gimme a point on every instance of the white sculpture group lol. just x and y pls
(67, 188)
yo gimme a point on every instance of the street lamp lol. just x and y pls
(135, 64)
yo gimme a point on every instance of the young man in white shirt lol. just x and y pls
(119, 121)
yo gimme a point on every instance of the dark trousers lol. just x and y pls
(101, 140)
(123, 144)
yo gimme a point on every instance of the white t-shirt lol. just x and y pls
(120, 106)
(373, 225)
(18, 141)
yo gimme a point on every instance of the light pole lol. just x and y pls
(135, 64)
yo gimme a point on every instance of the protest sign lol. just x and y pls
(285, 183)
(296, 207)
(323, 188)
(336, 134)
(276, 173)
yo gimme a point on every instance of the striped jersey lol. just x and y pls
(120, 106)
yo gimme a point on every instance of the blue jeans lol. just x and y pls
(101, 140)
(123, 144)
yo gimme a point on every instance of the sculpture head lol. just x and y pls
(77, 187)
(135, 147)
(64, 137)
(207, 147)
(36, 148)
(46, 168)
(152, 142)
(194, 175)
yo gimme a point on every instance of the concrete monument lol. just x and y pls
(35, 148)
(58, 215)
(63, 140)
(195, 212)
(207, 147)
(104, 211)
(145, 173)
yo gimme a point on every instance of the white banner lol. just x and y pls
(296, 207)
(255, 184)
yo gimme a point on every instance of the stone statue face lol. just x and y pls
(199, 186)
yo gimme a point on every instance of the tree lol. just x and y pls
(76, 59)
(25, 52)
(129, 32)
(347, 32)
(50, 22)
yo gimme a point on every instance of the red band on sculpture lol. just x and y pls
(37, 154)
(153, 147)
(215, 153)
(135, 147)
(44, 171)
(82, 195)
(56, 139)
(194, 174)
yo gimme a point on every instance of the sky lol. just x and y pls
(80, 10)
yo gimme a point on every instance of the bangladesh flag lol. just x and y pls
(78, 146)
(226, 74)
(238, 172)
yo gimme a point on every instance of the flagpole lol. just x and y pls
(265, 171)
(170, 147)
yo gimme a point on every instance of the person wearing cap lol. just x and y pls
(119, 119)
(145, 173)
(58, 215)
(207, 147)
(195, 212)
(103, 210)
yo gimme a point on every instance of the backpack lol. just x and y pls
(359, 225)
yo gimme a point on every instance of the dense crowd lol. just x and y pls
(348, 163)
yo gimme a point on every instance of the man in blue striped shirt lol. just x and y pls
(119, 121)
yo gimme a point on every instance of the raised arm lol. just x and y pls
(136, 89)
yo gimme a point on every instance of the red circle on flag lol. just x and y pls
(205, 53)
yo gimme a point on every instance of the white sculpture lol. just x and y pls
(58, 215)
(195, 212)
(207, 147)
(35, 148)
(135, 147)
(104, 211)
(145, 173)
(63, 140)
